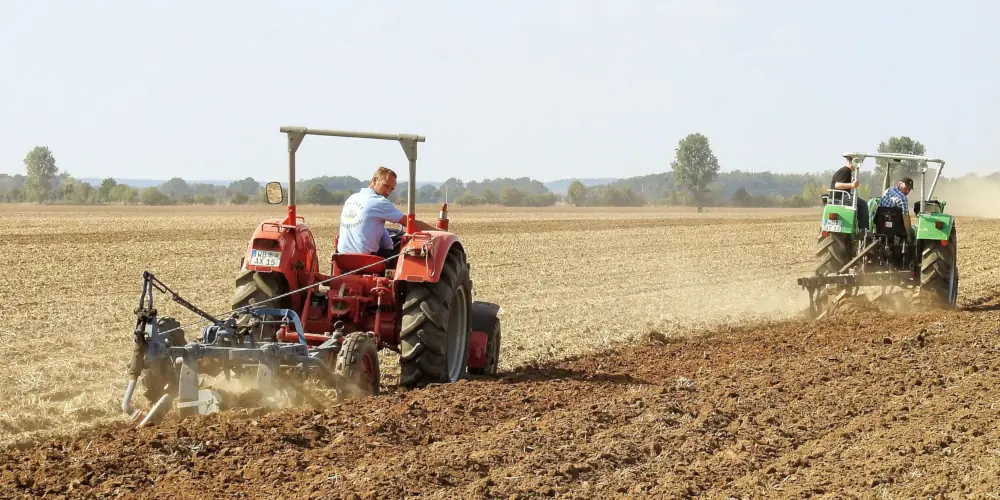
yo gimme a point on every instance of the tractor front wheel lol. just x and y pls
(436, 326)
(939, 270)
(358, 362)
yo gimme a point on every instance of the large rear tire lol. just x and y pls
(939, 271)
(254, 288)
(832, 252)
(436, 325)
(160, 377)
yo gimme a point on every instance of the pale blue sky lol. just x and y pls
(547, 89)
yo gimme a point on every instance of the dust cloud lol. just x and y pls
(970, 197)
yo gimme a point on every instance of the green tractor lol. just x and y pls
(880, 251)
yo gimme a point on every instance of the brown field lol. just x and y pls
(646, 352)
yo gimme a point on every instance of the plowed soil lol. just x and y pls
(862, 405)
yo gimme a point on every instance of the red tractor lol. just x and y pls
(417, 303)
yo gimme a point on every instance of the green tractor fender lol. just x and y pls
(838, 219)
(934, 226)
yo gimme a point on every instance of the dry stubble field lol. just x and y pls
(571, 282)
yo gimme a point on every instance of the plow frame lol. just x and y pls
(848, 282)
(227, 349)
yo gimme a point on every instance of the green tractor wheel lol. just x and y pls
(832, 252)
(939, 270)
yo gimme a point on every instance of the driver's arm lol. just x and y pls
(386, 240)
(384, 209)
(906, 222)
(421, 225)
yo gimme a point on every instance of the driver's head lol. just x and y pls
(905, 185)
(383, 181)
(847, 161)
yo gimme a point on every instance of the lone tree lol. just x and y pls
(695, 166)
(906, 168)
(41, 167)
(577, 194)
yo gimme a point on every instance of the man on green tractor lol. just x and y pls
(842, 180)
(895, 196)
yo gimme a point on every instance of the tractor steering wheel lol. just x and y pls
(396, 235)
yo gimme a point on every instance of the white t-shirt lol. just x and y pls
(362, 222)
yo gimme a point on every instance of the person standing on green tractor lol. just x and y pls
(842, 180)
(895, 196)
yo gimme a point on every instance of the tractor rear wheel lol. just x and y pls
(939, 270)
(358, 362)
(160, 377)
(832, 252)
(252, 288)
(436, 325)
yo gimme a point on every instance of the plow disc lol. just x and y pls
(172, 367)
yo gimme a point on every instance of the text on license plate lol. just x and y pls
(831, 225)
(267, 258)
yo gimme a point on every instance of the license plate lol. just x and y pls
(832, 226)
(265, 258)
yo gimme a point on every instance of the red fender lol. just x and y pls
(298, 262)
(424, 254)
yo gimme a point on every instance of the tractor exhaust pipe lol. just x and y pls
(442, 223)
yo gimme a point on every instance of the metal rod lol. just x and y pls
(127, 400)
(936, 177)
(411, 189)
(923, 182)
(858, 256)
(894, 156)
(855, 174)
(287, 313)
(291, 175)
(155, 412)
(348, 133)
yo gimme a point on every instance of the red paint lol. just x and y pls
(477, 349)
(431, 249)
(367, 300)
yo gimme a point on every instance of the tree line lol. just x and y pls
(693, 180)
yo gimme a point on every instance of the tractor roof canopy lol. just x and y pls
(857, 158)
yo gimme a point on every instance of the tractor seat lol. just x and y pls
(929, 207)
(889, 221)
(347, 262)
